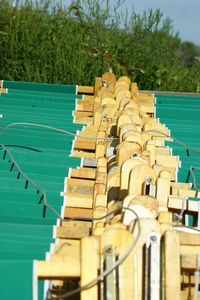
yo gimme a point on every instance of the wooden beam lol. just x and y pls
(58, 269)
(82, 172)
(79, 200)
(73, 230)
(176, 203)
(3, 91)
(77, 212)
(85, 89)
(188, 236)
(172, 265)
(80, 182)
(89, 267)
(84, 144)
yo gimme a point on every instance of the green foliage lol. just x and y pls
(43, 42)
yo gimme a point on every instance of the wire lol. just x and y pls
(114, 266)
(173, 138)
(44, 199)
(3, 129)
(192, 168)
(60, 247)
(23, 147)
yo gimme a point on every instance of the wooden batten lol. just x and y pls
(85, 89)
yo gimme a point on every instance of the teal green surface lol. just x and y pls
(181, 114)
(44, 156)
(42, 87)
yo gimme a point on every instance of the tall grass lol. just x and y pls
(44, 42)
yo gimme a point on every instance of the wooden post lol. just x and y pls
(89, 267)
(172, 265)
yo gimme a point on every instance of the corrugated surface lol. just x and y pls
(181, 114)
(44, 156)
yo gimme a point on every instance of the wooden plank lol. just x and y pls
(188, 238)
(78, 189)
(88, 97)
(176, 203)
(165, 217)
(101, 177)
(85, 89)
(83, 154)
(111, 279)
(89, 266)
(77, 224)
(97, 85)
(189, 262)
(169, 161)
(76, 230)
(83, 120)
(129, 278)
(172, 265)
(189, 250)
(81, 114)
(82, 172)
(84, 144)
(79, 200)
(163, 190)
(162, 151)
(187, 193)
(100, 150)
(77, 212)
(80, 182)
(3, 91)
(58, 269)
(85, 105)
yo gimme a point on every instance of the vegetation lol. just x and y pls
(43, 42)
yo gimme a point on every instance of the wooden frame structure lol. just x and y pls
(126, 168)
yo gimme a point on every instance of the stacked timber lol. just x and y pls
(121, 234)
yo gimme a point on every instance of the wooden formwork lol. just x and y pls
(122, 235)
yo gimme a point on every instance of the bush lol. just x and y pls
(43, 42)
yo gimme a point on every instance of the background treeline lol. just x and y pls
(44, 42)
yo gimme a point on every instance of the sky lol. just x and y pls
(185, 14)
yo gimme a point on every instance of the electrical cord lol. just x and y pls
(173, 138)
(191, 171)
(110, 270)
(3, 129)
(44, 197)
(22, 147)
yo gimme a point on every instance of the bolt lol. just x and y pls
(153, 238)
